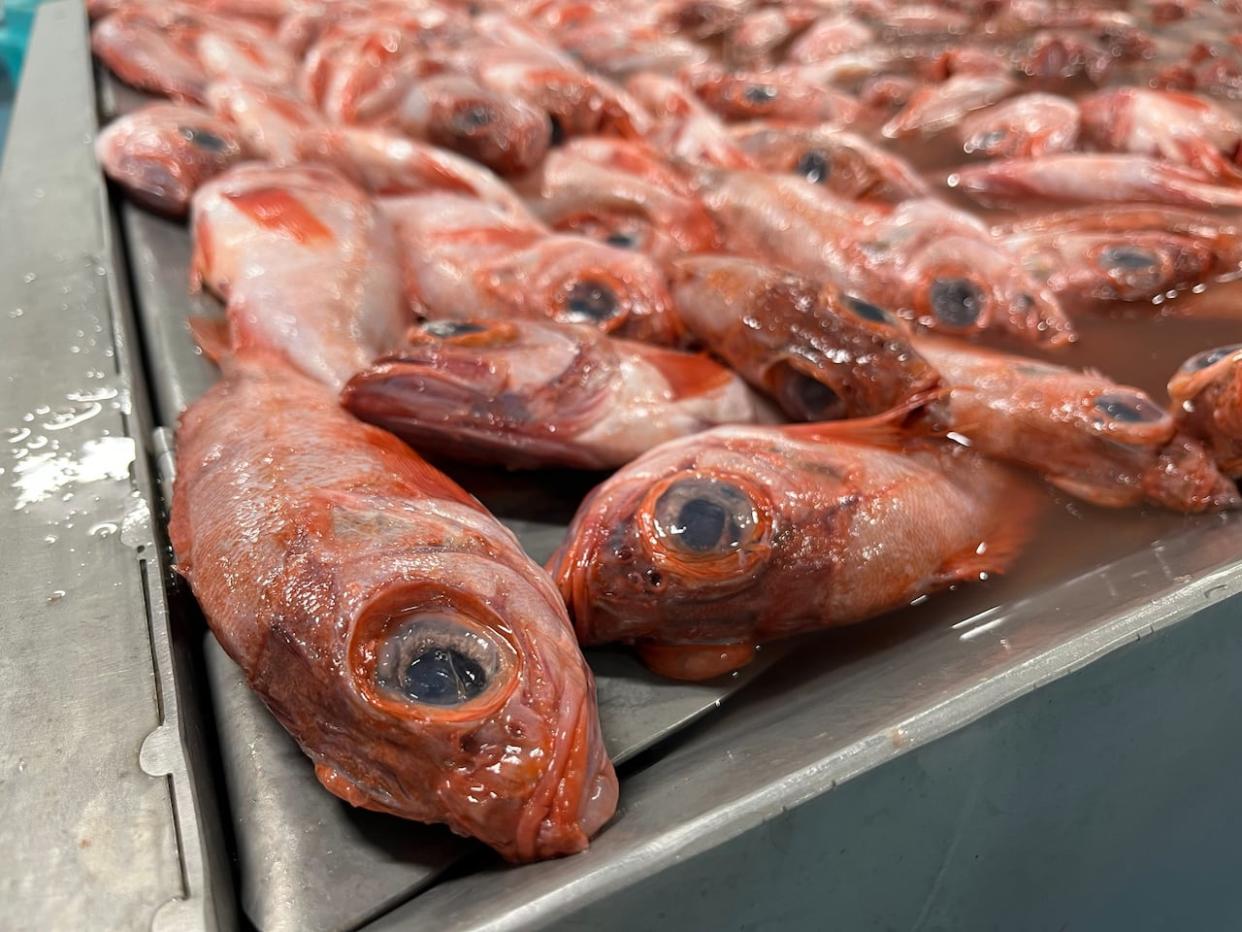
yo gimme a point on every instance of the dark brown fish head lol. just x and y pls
(475, 696)
(579, 281)
(965, 285)
(1142, 266)
(1207, 400)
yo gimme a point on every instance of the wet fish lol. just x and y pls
(820, 354)
(1106, 443)
(1091, 178)
(1207, 403)
(465, 259)
(1026, 127)
(245, 55)
(454, 111)
(684, 128)
(617, 51)
(270, 121)
(775, 95)
(392, 626)
(162, 153)
(528, 393)
(706, 546)
(1186, 129)
(305, 263)
(842, 162)
(153, 52)
(942, 105)
(752, 42)
(829, 37)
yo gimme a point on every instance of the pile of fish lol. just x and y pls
(691, 241)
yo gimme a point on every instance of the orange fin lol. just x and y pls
(279, 211)
(694, 662)
(212, 336)
(890, 430)
(996, 553)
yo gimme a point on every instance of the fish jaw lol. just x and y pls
(1206, 395)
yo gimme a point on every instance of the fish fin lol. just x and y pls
(211, 334)
(694, 662)
(891, 430)
(996, 553)
(1119, 497)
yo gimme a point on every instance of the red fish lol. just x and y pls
(820, 354)
(392, 626)
(1026, 127)
(1207, 404)
(306, 264)
(829, 37)
(621, 192)
(708, 545)
(841, 161)
(1085, 434)
(1183, 128)
(752, 42)
(775, 95)
(684, 128)
(465, 259)
(153, 52)
(270, 121)
(538, 393)
(162, 153)
(248, 55)
(1061, 55)
(942, 105)
(618, 51)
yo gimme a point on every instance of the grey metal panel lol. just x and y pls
(99, 819)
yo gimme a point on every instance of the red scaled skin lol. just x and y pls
(1025, 127)
(327, 558)
(709, 545)
(538, 393)
(820, 355)
(623, 193)
(162, 153)
(464, 259)
(1106, 443)
(1207, 404)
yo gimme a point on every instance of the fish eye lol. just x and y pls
(622, 239)
(203, 139)
(1128, 408)
(814, 166)
(807, 398)
(989, 140)
(1201, 361)
(558, 134)
(760, 93)
(447, 329)
(474, 117)
(592, 301)
(868, 311)
(436, 660)
(958, 302)
(704, 517)
(1126, 258)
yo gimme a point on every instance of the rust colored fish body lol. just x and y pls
(623, 193)
(467, 259)
(306, 264)
(162, 153)
(1106, 443)
(1025, 127)
(153, 53)
(1207, 403)
(770, 95)
(829, 37)
(709, 545)
(818, 353)
(535, 393)
(1072, 178)
(684, 128)
(392, 626)
(270, 121)
(942, 105)
(842, 162)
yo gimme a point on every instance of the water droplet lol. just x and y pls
(102, 529)
(56, 596)
(29, 277)
(38, 194)
(16, 313)
(50, 539)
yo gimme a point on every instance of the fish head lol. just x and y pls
(676, 545)
(576, 280)
(1207, 397)
(966, 284)
(481, 709)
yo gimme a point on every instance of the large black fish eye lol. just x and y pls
(814, 166)
(868, 311)
(447, 329)
(1201, 361)
(203, 139)
(957, 302)
(704, 516)
(807, 398)
(592, 301)
(760, 93)
(1128, 408)
(436, 661)
(1126, 258)
(472, 118)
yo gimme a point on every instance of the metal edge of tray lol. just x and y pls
(104, 812)
(291, 835)
(781, 748)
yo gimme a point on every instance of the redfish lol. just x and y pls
(306, 264)
(538, 393)
(829, 37)
(153, 52)
(706, 546)
(770, 95)
(392, 626)
(820, 354)
(465, 259)
(842, 162)
(942, 105)
(684, 128)
(162, 153)
(1025, 127)
(269, 120)
(621, 192)
(1207, 403)
(1106, 443)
